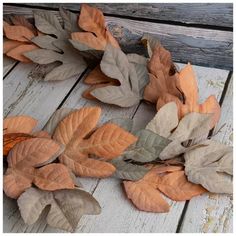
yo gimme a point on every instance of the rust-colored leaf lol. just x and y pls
(18, 124)
(53, 177)
(176, 186)
(162, 74)
(9, 45)
(77, 132)
(97, 36)
(42, 134)
(11, 139)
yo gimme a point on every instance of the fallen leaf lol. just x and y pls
(211, 165)
(107, 142)
(18, 124)
(150, 42)
(42, 134)
(96, 35)
(9, 45)
(176, 186)
(67, 207)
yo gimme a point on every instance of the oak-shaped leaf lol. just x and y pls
(31, 153)
(115, 65)
(66, 207)
(211, 165)
(96, 36)
(77, 132)
(148, 147)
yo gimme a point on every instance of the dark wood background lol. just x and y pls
(200, 33)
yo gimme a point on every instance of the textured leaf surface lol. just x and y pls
(211, 165)
(67, 207)
(18, 124)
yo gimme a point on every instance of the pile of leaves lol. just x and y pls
(171, 157)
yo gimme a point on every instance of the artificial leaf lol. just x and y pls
(165, 121)
(18, 124)
(148, 147)
(9, 45)
(150, 42)
(71, 62)
(67, 207)
(188, 86)
(128, 171)
(11, 139)
(176, 186)
(107, 142)
(97, 35)
(45, 42)
(57, 116)
(211, 165)
(163, 77)
(42, 134)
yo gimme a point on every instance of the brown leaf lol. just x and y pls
(162, 74)
(42, 134)
(11, 139)
(9, 45)
(107, 142)
(176, 186)
(53, 177)
(97, 36)
(18, 124)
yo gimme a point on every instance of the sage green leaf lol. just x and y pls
(128, 171)
(147, 148)
(45, 42)
(72, 63)
(125, 123)
(56, 117)
(48, 23)
(67, 207)
(211, 165)
(70, 20)
(165, 120)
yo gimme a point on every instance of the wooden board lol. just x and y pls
(211, 14)
(8, 64)
(27, 96)
(213, 213)
(206, 47)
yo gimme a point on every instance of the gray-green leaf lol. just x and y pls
(45, 42)
(148, 147)
(67, 207)
(128, 171)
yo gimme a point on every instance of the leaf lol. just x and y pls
(163, 123)
(56, 117)
(211, 165)
(188, 86)
(18, 124)
(11, 139)
(45, 42)
(150, 42)
(67, 207)
(148, 147)
(72, 63)
(9, 45)
(176, 186)
(42, 134)
(115, 65)
(52, 177)
(163, 76)
(106, 142)
(17, 53)
(128, 171)
(97, 35)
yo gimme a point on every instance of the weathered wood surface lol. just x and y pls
(211, 14)
(8, 64)
(206, 47)
(27, 94)
(217, 209)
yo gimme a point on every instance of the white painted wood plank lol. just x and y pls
(8, 63)
(213, 213)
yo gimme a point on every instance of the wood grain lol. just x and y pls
(211, 48)
(211, 14)
(8, 64)
(213, 213)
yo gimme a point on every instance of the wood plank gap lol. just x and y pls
(169, 22)
(13, 67)
(182, 217)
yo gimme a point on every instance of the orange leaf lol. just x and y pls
(163, 78)
(42, 134)
(107, 142)
(18, 124)
(176, 186)
(11, 139)
(53, 177)
(97, 36)
(9, 45)
(17, 52)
